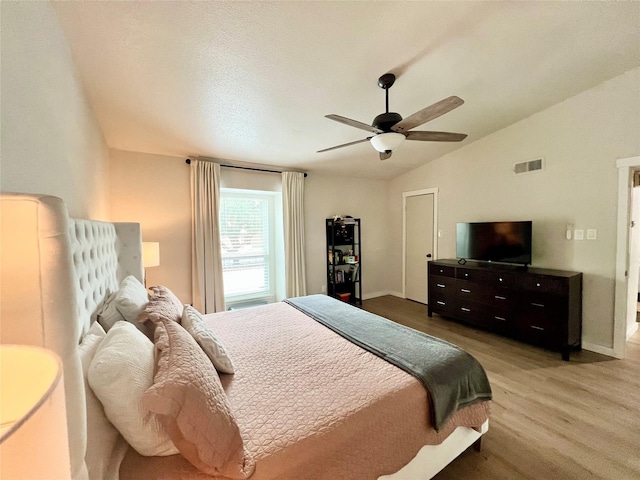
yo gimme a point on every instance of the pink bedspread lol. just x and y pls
(311, 405)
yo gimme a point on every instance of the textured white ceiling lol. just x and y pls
(252, 81)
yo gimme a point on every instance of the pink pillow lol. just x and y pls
(190, 403)
(163, 303)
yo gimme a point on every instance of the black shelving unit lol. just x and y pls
(344, 259)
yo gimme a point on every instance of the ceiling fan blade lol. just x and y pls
(354, 123)
(385, 155)
(427, 114)
(344, 145)
(436, 136)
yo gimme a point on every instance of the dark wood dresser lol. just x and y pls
(534, 305)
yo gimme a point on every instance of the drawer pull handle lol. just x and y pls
(441, 270)
(541, 305)
(537, 328)
(500, 279)
(464, 309)
(502, 319)
(466, 274)
(537, 284)
(464, 290)
(441, 303)
(498, 297)
(441, 285)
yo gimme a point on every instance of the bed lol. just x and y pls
(308, 402)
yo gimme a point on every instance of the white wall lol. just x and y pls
(51, 142)
(153, 190)
(580, 140)
(326, 196)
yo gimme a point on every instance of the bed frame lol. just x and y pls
(57, 271)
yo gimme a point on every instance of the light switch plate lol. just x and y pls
(578, 234)
(592, 234)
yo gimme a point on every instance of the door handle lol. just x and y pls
(428, 255)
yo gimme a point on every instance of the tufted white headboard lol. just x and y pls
(55, 274)
(103, 254)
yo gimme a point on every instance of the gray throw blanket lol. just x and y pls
(453, 378)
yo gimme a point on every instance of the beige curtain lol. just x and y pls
(206, 264)
(294, 260)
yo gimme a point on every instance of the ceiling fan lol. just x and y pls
(391, 129)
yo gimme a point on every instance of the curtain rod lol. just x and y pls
(188, 162)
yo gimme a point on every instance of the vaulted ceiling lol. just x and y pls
(251, 81)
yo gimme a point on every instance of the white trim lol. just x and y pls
(632, 329)
(371, 295)
(416, 193)
(594, 347)
(625, 167)
(431, 459)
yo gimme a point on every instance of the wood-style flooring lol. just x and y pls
(550, 419)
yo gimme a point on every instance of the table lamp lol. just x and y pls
(33, 422)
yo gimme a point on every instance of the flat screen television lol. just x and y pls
(504, 242)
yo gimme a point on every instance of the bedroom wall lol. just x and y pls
(580, 140)
(326, 196)
(154, 190)
(51, 141)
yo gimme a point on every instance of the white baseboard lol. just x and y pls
(594, 347)
(371, 295)
(631, 329)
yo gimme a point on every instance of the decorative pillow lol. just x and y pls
(164, 304)
(120, 373)
(189, 400)
(131, 298)
(101, 435)
(193, 323)
(109, 314)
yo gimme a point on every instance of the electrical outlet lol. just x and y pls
(578, 234)
(592, 234)
(324, 289)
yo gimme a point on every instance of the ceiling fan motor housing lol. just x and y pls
(385, 121)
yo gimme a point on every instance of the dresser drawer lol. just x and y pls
(501, 320)
(473, 275)
(543, 284)
(442, 285)
(442, 270)
(503, 297)
(471, 312)
(475, 292)
(501, 279)
(442, 304)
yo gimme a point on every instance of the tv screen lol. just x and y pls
(505, 242)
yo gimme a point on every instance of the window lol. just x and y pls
(250, 230)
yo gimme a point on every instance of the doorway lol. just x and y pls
(420, 241)
(625, 301)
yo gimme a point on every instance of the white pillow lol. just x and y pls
(120, 372)
(109, 314)
(131, 298)
(101, 435)
(193, 323)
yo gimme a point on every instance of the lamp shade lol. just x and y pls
(150, 254)
(33, 428)
(384, 142)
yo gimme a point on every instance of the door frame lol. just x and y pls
(625, 166)
(417, 193)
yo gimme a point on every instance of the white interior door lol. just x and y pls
(419, 226)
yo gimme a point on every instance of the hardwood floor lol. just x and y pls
(550, 419)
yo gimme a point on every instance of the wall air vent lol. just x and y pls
(528, 167)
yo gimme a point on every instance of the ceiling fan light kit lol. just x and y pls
(390, 129)
(387, 142)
